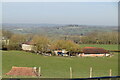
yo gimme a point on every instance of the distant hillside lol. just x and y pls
(56, 29)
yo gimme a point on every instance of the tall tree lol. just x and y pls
(7, 34)
(65, 44)
(41, 42)
(15, 41)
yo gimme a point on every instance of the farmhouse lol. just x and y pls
(28, 46)
(94, 52)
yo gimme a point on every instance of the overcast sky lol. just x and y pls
(85, 13)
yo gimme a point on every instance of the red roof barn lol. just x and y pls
(94, 50)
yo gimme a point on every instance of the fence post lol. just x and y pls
(110, 73)
(70, 72)
(90, 72)
(35, 68)
(39, 72)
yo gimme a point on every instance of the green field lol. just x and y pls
(59, 67)
(107, 47)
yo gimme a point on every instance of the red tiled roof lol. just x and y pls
(22, 71)
(94, 50)
(29, 43)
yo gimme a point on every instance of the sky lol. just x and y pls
(84, 13)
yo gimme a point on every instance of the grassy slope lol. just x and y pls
(59, 66)
(108, 47)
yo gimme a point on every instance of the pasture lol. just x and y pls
(107, 46)
(59, 67)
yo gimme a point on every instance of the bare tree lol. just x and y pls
(41, 42)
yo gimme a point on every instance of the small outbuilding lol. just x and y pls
(23, 71)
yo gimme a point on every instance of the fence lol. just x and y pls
(90, 72)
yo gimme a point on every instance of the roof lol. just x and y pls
(22, 71)
(94, 50)
(29, 43)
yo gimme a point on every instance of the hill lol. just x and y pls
(56, 29)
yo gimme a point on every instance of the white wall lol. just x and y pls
(27, 47)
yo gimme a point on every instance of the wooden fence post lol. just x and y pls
(39, 71)
(90, 72)
(35, 68)
(70, 72)
(110, 73)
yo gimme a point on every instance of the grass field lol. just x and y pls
(58, 67)
(107, 47)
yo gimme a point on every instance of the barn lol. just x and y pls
(94, 52)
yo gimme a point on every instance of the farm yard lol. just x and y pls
(59, 67)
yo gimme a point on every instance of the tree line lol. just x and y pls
(70, 43)
(101, 38)
(41, 42)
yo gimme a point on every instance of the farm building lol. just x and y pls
(23, 71)
(94, 52)
(28, 46)
(4, 42)
(61, 52)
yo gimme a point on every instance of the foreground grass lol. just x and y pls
(58, 67)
